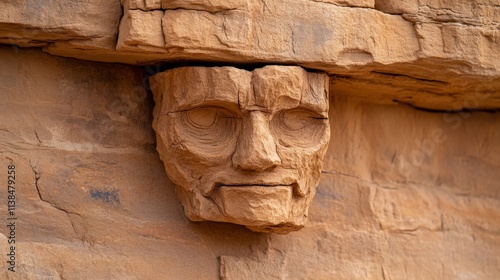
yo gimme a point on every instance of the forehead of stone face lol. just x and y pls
(188, 87)
(267, 89)
(285, 87)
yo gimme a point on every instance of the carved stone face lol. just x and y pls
(244, 147)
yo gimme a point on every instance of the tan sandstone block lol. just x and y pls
(145, 5)
(406, 209)
(333, 35)
(31, 23)
(132, 28)
(397, 6)
(351, 3)
(211, 6)
(429, 40)
(220, 31)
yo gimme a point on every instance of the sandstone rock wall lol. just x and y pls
(430, 54)
(410, 187)
(405, 193)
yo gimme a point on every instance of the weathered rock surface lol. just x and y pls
(243, 147)
(409, 189)
(430, 54)
(28, 23)
(404, 193)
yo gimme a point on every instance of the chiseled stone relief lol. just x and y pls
(409, 190)
(243, 147)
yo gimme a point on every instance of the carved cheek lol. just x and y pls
(206, 135)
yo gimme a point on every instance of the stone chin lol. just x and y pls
(244, 147)
(264, 208)
(260, 208)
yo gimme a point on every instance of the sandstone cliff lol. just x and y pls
(409, 190)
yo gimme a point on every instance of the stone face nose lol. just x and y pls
(256, 149)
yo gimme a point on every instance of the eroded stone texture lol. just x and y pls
(132, 26)
(33, 23)
(404, 193)
(244, 147)
(350, 3)
(145, 5)
(389, 47)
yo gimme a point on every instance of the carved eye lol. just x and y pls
(208, 118)
(297, 119)
(203, 117)
(206, 130)
(204, 134)
(298, 127)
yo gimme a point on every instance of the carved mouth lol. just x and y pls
(293, 186)
(253, 185)
(279, 177)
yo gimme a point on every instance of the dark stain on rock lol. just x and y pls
(105, 196)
